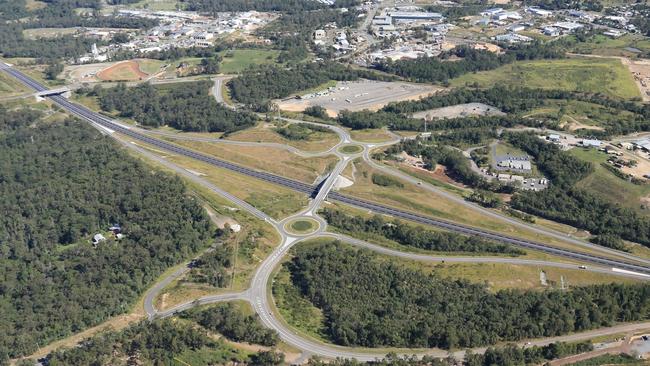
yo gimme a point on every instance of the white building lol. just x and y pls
(539, 12)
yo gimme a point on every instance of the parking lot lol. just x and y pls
(358, 95)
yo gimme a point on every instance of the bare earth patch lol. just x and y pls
(122, 71)
(641, 72)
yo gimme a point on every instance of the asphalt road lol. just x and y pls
(257, 294)
(310, 190)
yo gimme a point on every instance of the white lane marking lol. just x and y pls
(629, 272)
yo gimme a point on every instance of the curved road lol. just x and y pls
(258, 295)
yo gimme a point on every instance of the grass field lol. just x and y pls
(502, 276)
(576, 114)
(607, 76)
(317, 141)
(606, 184)
(605, 46)
(236, 61)
(276, 161)
(35, 33)
(371, 135)
(10, 86)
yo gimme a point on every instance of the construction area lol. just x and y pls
(358, 95)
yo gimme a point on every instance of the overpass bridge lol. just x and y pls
(63, 91)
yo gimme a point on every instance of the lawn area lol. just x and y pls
(608, 185)
(606, 46)
(236, 61)
(607, 76)
(10, 86)
(315, 142)
(272, 160)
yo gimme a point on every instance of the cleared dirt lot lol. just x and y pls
(359, 95)
(122, 71)
(460, 110)
(641, 72)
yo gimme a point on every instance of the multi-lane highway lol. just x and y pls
(258, 295)
(107, 123)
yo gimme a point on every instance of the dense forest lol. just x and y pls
(61, 183)
(257, 86)
(163, 342)
(564, 202)
(442, 68)
(186, 107)
(413, 236)
(367, 301)
(229, 320)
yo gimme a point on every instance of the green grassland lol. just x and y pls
(608, 185)
(236, 61)
(570, 112)
(605, 46)
(606, 76)
(10, 86)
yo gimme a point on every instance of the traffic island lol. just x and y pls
(351, 149)
(302, 226)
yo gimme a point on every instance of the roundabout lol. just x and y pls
(350, 149)
(302, 226)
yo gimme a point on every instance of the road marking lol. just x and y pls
(618, 270)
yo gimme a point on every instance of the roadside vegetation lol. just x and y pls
(230, 320)
(412, 236)
(185, 107)
(564, 201)
(165, 342)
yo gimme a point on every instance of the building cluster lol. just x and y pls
(180, 29)
(406, 32)
(514, 163)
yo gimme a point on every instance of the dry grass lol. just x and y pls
(502, 276)
(276, 161)
(318, 141)
(371, 135)
(416, 199)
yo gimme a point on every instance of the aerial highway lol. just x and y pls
(311, 190)
(257, 293)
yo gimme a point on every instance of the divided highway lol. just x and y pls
(310, 190)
